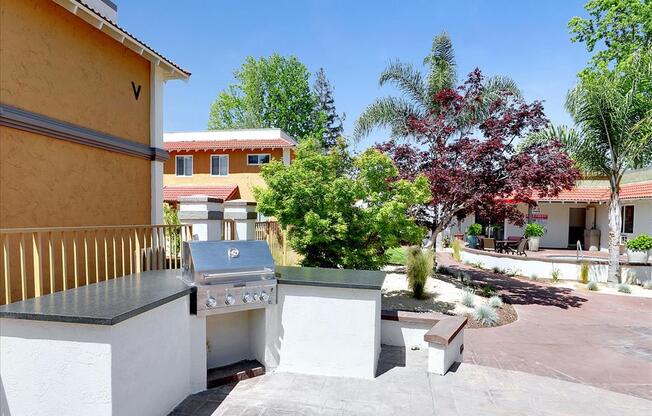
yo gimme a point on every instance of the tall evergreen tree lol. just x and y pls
(325, 107)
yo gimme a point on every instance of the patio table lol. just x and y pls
(503, 246)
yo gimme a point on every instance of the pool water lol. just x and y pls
(575, 258)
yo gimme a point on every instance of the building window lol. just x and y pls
(258, 159)
(627, 214)
(219, 165)
(184, 165)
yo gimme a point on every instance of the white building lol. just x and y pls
(585, 207)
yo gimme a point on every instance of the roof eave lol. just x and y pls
(96, 20)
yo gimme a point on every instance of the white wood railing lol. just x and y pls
(38, 261)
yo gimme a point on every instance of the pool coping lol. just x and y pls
(548, 260)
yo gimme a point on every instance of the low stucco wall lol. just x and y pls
(404, 334)
(137, 367)
(328, 331)
(568, 270)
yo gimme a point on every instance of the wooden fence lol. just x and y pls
(38, 261)
(271, 232)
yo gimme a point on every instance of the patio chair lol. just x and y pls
(520, 249)
(489, 244)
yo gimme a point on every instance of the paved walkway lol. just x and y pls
(404, 388)
(589, 338)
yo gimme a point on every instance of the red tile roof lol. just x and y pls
(224, 192)
(207, 145)
(639, 190)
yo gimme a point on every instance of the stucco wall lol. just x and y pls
(56, 64)
(556, 235)
(49, 182)
(140, 366)
(328, 331)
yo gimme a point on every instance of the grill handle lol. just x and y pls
(266, 270)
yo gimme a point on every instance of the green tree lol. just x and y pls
(612, 111)
(325, 108)
(269, 92)
(620, 26)
(418, 92)
(341, 211)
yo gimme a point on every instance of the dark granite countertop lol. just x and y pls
(315, 276)
(103, 303)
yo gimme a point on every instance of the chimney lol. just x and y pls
(106, 8)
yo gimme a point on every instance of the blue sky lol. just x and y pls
(353, 41)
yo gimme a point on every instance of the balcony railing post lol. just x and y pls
(38, 264)
(7, 268)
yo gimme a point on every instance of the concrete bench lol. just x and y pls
(443, 335)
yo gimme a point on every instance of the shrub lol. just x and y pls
(534, 229)
(642, 242)
(584, 272)
(647, 285)
(397, 255)
(467, 298)
(495, 302)
(592, 286)
(622, 288)
(498, 270)
(488, 290)
(446, 241)
(512, 272)
(534, 277)
(477, 264)
(419, 264)
(474, 229)
(457, 249)
(555, 275)
(486, 315)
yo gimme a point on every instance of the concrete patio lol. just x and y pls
(404, 388)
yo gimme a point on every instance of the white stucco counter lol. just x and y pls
(118, 347)
(326, 322)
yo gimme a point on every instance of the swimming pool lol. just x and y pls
(574, 258)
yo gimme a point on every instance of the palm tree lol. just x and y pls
(418, 91)
(612, 111)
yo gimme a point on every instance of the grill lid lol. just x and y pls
(227, 260)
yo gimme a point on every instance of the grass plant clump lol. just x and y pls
(623, 288)
(647, 285)
(584, 272)
(495, 301)
(477, 265)
(488, 290)
(498, 270)
(419, 264)
(486, 315)
(457, 249)
(468, 298)
(555, 275)
(592, 286)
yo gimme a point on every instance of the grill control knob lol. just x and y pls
(256, 297)
(211, 302)
(264, 296)
(229, 299)
(247, 298)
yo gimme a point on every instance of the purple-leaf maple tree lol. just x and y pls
(466, 150)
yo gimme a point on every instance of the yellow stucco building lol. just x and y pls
(81, 135)
(223, 163)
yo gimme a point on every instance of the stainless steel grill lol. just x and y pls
(230, 275)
